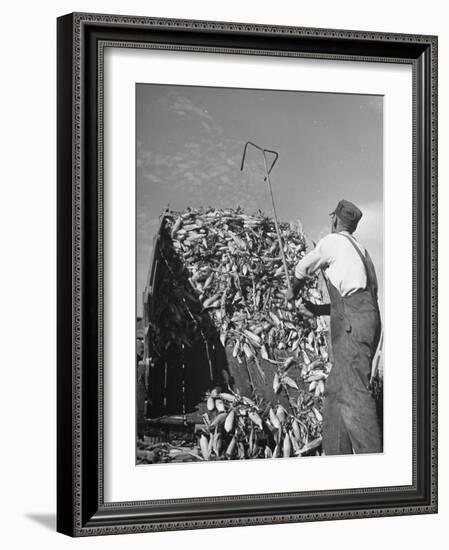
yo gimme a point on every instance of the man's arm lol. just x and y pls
(311, 262)
(318, 309)
(306, 267)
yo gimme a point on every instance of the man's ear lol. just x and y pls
(334, 223)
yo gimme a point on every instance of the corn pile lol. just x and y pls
(237, 427)
(236, 280)
(223, 268)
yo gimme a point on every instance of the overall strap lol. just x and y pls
(369, 282)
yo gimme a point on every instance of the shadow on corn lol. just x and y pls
(185, 355)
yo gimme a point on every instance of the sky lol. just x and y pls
(190, 142)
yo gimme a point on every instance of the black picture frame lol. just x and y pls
(81, 509)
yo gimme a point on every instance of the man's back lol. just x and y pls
(336, 254)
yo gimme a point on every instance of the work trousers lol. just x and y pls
(350, 422)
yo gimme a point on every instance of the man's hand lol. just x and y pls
(290, 295)
(295, 286)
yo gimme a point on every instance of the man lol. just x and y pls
(350, 423)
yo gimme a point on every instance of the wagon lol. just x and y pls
(171, 388)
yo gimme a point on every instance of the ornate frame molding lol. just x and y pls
(83, 514)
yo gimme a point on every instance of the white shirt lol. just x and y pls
(342, 265)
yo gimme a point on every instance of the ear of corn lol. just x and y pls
(229, 422)
(274, 420)
(318, 415)
(287, 446)
(231, 447)
(268, 453)
(281, 413)
(219, 419)
(255, 418)
(204, 444)
(290, 382)
(294, 442)
(319, 388)
(296, 429)
(264, 352)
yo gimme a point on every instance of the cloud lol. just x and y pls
(374, 103)
(199, 166)
(370, 233)
(370, 228)
(184, 107)
(204, 171)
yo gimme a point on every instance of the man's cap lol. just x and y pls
(348, 213)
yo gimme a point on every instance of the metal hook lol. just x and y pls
(263, 151)
(267, 179)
